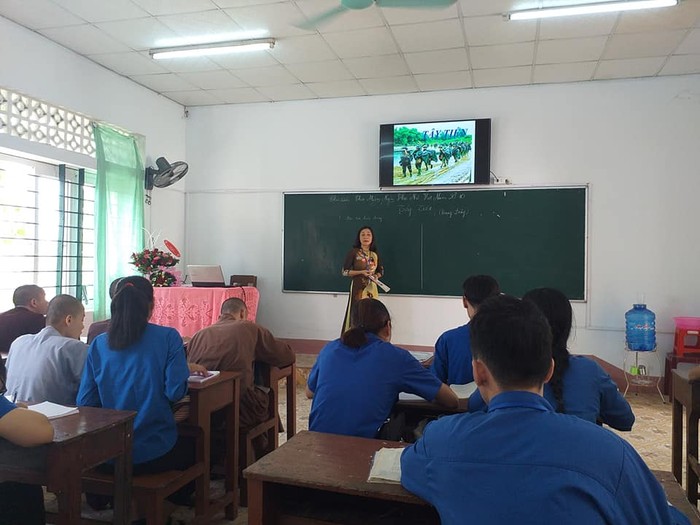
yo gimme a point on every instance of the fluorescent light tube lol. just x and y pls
(217, 48)
(587, 9)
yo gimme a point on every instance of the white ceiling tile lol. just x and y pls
(508, 76)
(184, 65)
(266, 76)
(276, 19)
(84, 39)
(373, 67)
(572, 72)
(290, 92)
(641, 45)
(362, 42)
(483, 30)
(506, 55)
(690, 44)
(494, 7)
(243, 3)
(444, 81)
(240, 95)
(346, 21)
(140, 34)
(396, 16)
(245, 60)
(193, 98)
(320, 71)
(207, 26)
(387, 86)
(682, 16)
(308, 48)
(570, 50)
(163, 82)
(629, 68)
(213, 80)
(103, 11)
(342, 88)
(438, 61)
(444, 34)
(132, 63)
(577, 26)
(37, 14)
(171, 7)
(682, 65)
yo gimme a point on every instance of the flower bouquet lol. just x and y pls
(152, 263)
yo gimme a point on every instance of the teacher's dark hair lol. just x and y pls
(131, 308)
(358, 244)
(557, 309)
(367, 316)
(512, 338)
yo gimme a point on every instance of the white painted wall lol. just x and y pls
(636, 143)
(35, 66)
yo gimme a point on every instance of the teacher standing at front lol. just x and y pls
(361, 265)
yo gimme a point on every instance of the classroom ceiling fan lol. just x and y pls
(345, 5)
(166, 174)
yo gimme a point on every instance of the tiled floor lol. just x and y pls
(651, 437)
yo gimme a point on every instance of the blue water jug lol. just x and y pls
(640, 329)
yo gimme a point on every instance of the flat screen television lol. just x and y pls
(451, 152)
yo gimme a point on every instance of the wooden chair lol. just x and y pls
(244, 280)
(150, 490)
(271, 376)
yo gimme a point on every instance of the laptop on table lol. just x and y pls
(206, 276)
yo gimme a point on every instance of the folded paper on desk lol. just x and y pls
(386, 467)
(53, 410)
(211, 374)
(462, 391)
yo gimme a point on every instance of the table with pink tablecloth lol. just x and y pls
(189, 309)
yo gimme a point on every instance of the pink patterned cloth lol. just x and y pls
(189, 309)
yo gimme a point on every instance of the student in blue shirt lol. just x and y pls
(22, 504)
(140, 366)
(356, 379)
(522, 462)
(579, 386)
(452, 362)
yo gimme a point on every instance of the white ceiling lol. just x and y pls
(363, 52)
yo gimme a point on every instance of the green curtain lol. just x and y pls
(119, 209)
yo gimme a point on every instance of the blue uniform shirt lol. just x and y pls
(356, 388)
(523, 463)
(145, 377)
(5, 406)
(452, 363)
(589, 393)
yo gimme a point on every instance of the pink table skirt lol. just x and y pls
(189, 309)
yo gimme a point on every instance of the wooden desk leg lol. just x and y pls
(691, 446)
(232, 433)
(292, 403)
(201, 504)
(263, 503)
(123, 480)
(69, 499)
(677, 441)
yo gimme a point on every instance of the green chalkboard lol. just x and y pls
(430, 241)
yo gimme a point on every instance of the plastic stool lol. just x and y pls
(687, 336)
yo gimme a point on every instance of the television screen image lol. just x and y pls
(435, 153)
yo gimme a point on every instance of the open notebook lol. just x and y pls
(53, 410)
(211, 374)
(462, 391)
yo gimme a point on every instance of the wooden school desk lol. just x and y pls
(81, 441)
(685, 394)
(188, 309)
(314, 466)
(676, 496)
(222, 391)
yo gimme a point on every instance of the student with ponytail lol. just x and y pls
(356, 379)
(140, 366)
(579, 386)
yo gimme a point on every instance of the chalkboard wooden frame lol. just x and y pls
(525, 236)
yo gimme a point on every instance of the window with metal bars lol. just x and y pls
(47, 229)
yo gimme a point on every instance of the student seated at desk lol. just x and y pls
(521, 462)
(452, 363)
(579, 386)
(22, 504)
(100, 327)
(357, 378)
(140, 366)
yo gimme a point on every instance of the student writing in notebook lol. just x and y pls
(522, 462)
